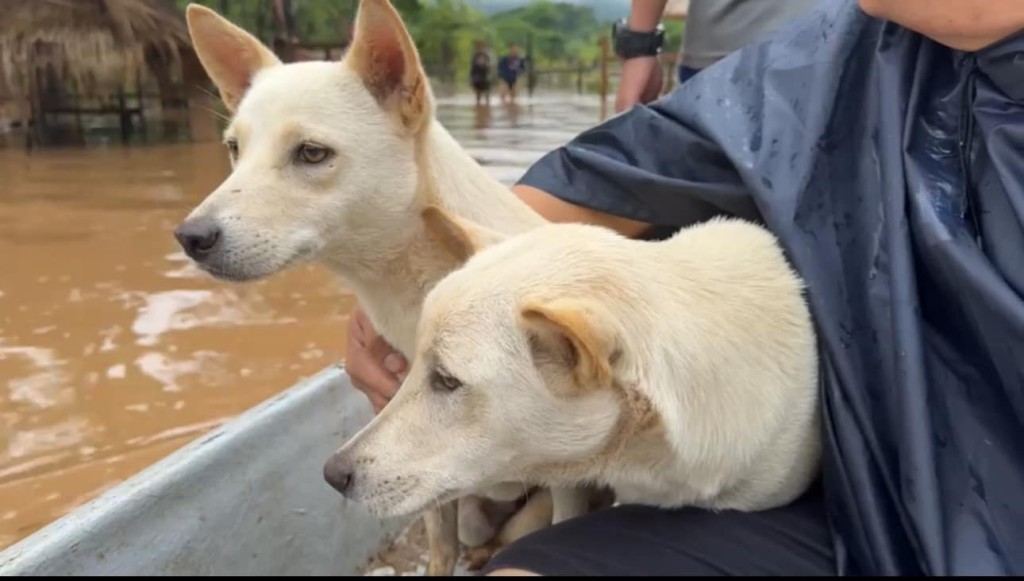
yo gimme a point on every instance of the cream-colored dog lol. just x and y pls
(333, 162)
(678, 373)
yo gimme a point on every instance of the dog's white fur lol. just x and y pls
(358, 211)
(678, 373)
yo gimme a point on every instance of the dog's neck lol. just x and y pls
(466, 189)
(394, 273)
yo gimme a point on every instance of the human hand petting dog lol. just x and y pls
(372, 364)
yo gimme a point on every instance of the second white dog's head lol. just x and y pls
(512, 379)
(323, 153)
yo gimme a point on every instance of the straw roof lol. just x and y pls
(90, 44)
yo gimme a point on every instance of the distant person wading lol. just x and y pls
(480, 73)
(510, 67)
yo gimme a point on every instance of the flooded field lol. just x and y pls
(114, 350)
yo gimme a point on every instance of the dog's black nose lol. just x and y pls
(339, 473)
(198, 237)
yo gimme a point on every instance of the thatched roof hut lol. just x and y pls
(89, 45)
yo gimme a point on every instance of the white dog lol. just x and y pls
(678, 373)
(334, 163)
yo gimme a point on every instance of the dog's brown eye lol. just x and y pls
(313, 154)
(232, 148)
(444, 382)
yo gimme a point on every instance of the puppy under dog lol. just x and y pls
(676, 373)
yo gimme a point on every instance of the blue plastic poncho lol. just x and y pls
(892, 169)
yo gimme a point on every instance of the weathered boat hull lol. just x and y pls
(246, 499)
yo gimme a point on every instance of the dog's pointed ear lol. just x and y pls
(578, 330)
(385, 58)
(230, 55)
(461, 238)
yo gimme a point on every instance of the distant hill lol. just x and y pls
(604, 10)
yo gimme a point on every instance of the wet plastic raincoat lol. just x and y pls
(892, 170)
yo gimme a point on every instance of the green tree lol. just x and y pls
(444, 31)
(561, 33)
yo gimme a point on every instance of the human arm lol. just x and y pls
(967, 25)
(555, 209)
(641, 80)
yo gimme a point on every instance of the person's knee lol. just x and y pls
(512, 573)
(633, 539)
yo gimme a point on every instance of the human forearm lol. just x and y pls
(640, 81)
(555, 209)
(644, 15)
(961, 24)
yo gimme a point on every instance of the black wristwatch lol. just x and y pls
(632, 44)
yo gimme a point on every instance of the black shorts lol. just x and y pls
(481, 86)
(643, 541)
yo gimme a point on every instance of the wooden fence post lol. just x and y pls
(604, 77)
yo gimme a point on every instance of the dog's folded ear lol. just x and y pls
(578, 330)
(230, 55)
(460, 237)
(385, 57)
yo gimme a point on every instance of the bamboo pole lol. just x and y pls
(604, 77)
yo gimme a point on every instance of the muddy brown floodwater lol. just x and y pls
(115, 350)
